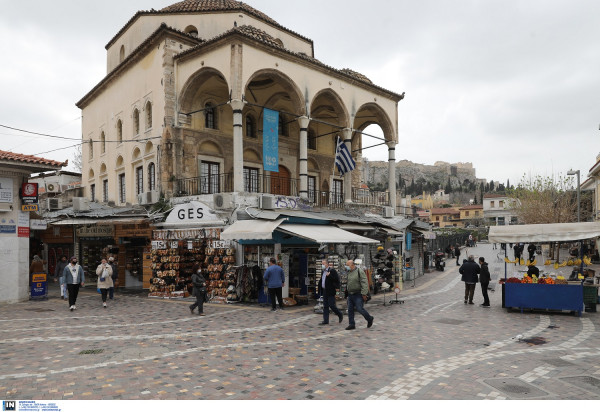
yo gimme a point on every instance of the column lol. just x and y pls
(303, 151)
(392, 174)
(238, 146)
(347, 135)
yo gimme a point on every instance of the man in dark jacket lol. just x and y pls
(199, 291)
(484, 279)
(531, 249)
(330, 281)
(517, 250)
(457, 253)
(469, 271)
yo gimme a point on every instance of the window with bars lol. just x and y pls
(139, 180)
(122, 188)
(105, 191)
(102, 143)
(136, 122)
(119, 131)
(312, 188)
(251, 179)
(209, 177)
(151, 176)
(338, 191)
(91, 143)
(312, 139)
(283, 126)
(210, 116)
(250, 127)
(148, 115)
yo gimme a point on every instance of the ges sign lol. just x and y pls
(192, 213)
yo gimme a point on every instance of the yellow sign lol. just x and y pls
(30, 208)
(38, 277)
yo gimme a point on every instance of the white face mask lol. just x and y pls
(347, 267)
(323, 266)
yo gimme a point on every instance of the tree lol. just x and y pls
(77, 162)
(544, 200)
(481, 190)
(492, 186)
(448, 186)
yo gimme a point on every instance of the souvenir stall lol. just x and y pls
(549, 290)
(189, 240)
(94, 242)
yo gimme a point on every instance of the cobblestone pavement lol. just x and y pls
(431, 347)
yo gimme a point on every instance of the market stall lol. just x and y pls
(547, 292)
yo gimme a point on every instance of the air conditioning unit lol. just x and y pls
(148, 198)
(267, 202)
(53, 203)
(52, 188)
(81, 204)
(388, 211)
(223, 201)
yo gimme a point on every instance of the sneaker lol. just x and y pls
(273, 309)
(71, 308)
(104, 304)
(370, 322)
(465, 301)
(201, 314)
(471, 303)
(324, 323)
(281, 308)
(74, 307)
(484, 306)
(350, 327)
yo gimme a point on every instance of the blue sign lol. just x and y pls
(271, 140)
(8, 228)
(408, 241)
(39, 286)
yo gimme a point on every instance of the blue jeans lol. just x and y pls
(355, 301)
(329, 302)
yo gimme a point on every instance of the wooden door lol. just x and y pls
(280, 182)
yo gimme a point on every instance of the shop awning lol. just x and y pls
(323, 234)
(255, 229)
(541, 233)
(354, 226)
(392, 232)
(71, 222)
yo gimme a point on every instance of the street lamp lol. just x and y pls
(571, 173)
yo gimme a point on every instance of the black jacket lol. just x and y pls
(484, 276)
(469, 271)
(332, 282)
(199, 284)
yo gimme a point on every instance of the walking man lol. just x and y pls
(358, 287)
(74, 277)
(330, 281)
(469, 271)
(484, 279)
(199, 291)
(275, 279)
(457, 253)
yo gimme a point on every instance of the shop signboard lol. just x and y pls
(6, 190)
(39, 286)
(95, 231)
(8, 228)
(38, 224)
(29, 193)
(30, 208)
(193, 213)
(23, 224)
(408, 241)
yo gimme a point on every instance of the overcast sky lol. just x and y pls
(512, 86)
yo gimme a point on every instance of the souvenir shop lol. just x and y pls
(55, 241)
(298, 248)
(132, 254)
(94, 242)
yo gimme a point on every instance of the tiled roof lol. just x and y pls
(205, 6)
(18, 157)
(190, 6)
(471, 207)
(490, 196)
(263, 37)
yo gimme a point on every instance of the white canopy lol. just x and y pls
(542, 233)
(255, 229)
(324, 234)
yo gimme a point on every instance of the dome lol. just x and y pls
(191, 6)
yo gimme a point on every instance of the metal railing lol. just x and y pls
(203, 185)
(366, 196)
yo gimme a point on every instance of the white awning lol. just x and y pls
(551, 232)
(255, 229)
(324, 234)
(99, 221)
(354, 226)
(391, 231)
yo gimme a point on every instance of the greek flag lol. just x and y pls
(343, 159)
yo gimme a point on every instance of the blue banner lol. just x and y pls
(271, 140)
(408, 241)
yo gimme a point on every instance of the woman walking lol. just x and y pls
(74, 277)
(105, 282)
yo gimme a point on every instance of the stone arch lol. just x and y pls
(268, 80)
(336, 106)
(136, 154)
(251, 155)
(102, 169)
(120, 162)
(198, 82)
(372, 113)
(91, 174)
(148, 148)
(312, 165)
(210, 147)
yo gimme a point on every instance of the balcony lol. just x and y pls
(266, 184)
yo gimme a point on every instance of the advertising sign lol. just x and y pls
(192, 213)
(29, 193)
(39, 286)
(271, 140)
(6, 190)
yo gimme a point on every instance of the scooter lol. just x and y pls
(440, 264)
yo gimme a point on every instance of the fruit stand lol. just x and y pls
(544, 293)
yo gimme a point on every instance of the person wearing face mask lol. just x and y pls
(357, 288)
(74, 277)
(199, 291)
(330, 281)
(105, 282)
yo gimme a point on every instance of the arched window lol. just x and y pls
(91, 143)
(191, 30)
(250, 126)
(210, 116)
(136, 122)
(151, 176)
(102, 143)
(119, 131)
(148, 115)
(283, 126)
(122, 54)
(312, 139)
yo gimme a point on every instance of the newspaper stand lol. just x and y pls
(39, 287)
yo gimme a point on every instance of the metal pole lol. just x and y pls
(578, 203)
